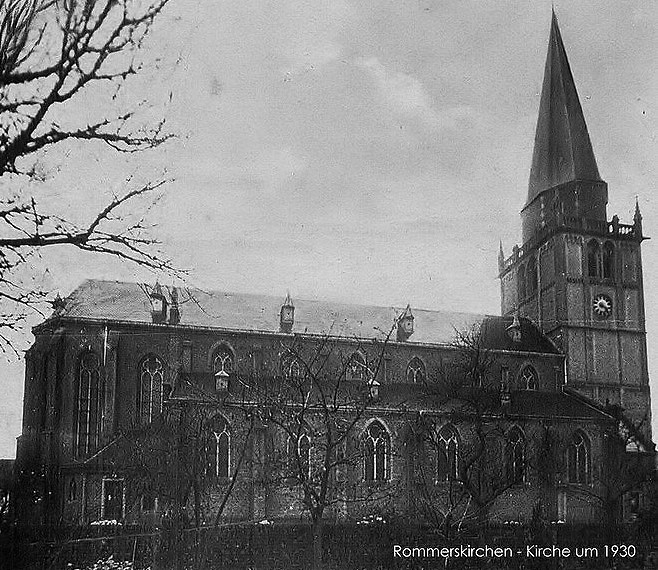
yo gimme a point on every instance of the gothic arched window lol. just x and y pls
(578, 459)
(531, 276)
(593, 258)
(356, 367)
(291, 367)
(608, 260)
(515, 456)
(223, 360)
(528, 378)
(416, 371)
(377, 448)
(88, 401)
(522, 282)
(151, 379)
(218, 447)
(447, 460)
(299, 454)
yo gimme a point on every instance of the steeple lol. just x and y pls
(563, 151)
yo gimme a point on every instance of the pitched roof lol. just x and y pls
(563, 151)
(131, 303)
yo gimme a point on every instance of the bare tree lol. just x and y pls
(316, 411)
(462, 440)
(56, 57)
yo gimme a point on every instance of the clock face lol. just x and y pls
(602, 306)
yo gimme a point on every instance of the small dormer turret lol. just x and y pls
(174, 312)
(514, 330)
(158, 304)
(405, 326)
(287, 315)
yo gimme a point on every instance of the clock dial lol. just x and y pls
(602, 306)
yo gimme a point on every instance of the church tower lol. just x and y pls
(578, 275)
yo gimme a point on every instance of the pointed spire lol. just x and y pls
(563, 151)
(501, 257)
(637, 220)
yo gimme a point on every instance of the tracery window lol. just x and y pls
(608, 260)
(377, 448)
(291, 367)
(218, 448)
(151, 386)
(447, 459)
(223, 360)
(578, 459)
(87, 406)
(593, 259)
(531, 275)
(522, 282)
(299, 454)
(528, 378)
(416, 371)
(356, 367)
(515, 456)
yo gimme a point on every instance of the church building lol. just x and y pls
(424, 402)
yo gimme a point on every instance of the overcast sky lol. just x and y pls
(370, 152)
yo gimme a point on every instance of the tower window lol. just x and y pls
(377, 444)
(416, 371)
(447, 459)
(531, 276)
(578, 459)
(515, 456)
(522, 282)
(87, 414)
(150, 395)
(593, 259)
(608, 260)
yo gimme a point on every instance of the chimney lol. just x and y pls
(405, 326)
(287, 315)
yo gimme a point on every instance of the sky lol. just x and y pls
(368, 152)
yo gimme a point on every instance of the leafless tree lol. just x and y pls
(462, 442)
(56, 57)
(316, 411)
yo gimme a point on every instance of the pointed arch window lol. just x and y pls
(528, 378)
(416, 373)
(356, 367)
(531, 276)
(299, 455)
(291, 367)
(522, 282)
(218, 448)
(578, 459)
(593, 259)
(447, 460)
(88, 402)
(151, 385)
(608, 264)
(377, 448)
(515, 456)
(223, 360)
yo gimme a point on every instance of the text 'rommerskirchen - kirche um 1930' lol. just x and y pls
(159, 407)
